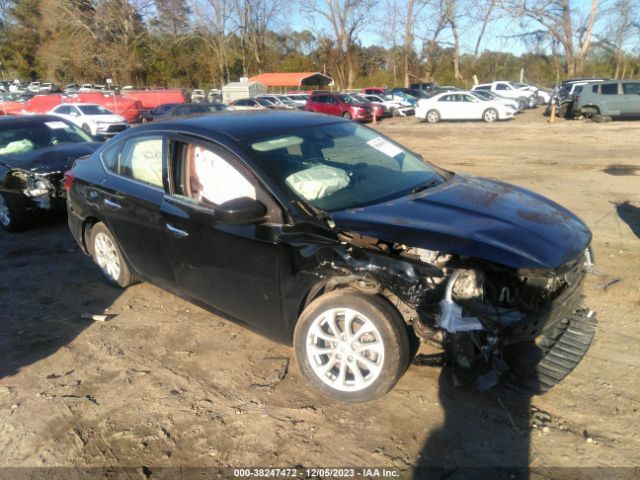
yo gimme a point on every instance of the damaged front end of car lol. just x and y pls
(486, 319)
(44, 191)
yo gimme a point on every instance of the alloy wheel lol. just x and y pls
(490, 115)
(345, 349)
(107, 256)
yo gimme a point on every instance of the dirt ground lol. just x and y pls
(165, 384)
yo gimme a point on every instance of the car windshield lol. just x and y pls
(343, 165)
(26, 137)
(94, 110)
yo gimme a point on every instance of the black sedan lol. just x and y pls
(35, 151)
(169, 111)
(323, 233)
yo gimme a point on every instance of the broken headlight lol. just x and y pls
(37, 187)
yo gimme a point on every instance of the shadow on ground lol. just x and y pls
(484, 435)
(630, 215)
(38, 317)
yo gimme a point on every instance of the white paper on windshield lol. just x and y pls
(385, 147)
(56, 125)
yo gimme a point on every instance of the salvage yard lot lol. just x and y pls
(164, 383)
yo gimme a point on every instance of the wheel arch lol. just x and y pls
(87, 225)
(360, 283)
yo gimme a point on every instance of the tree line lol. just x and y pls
(207, 43)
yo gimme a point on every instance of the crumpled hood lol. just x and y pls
(479, 218)
(51, 159)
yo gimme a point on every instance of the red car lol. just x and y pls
(339, 104)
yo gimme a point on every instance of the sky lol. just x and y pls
(498, 36)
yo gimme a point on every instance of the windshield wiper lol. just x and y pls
(425, 186)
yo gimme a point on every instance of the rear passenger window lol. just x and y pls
(631, 88)
(609, 89)
(138, 159)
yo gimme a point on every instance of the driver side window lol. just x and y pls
(206, 177)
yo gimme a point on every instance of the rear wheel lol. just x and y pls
(347, 115)
(351, 346)
(490, 115)
(433, 116)
(107, 255)
(13, 212)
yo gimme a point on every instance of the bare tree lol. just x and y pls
(559, 18)
(486, 18)
(211, 29)
(346, 19)
(430, 33)
(623, 21)
(253, 19)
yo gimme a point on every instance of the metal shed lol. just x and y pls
(237, 90)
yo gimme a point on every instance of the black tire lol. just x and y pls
(13, 212)
(347, 115)
(394, 112)
(433, 116)
(124, 277)
(490, 115)
(389, 326)
(87, 129)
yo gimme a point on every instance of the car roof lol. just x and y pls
(245, 124)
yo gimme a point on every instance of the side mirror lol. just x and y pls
(240, 211)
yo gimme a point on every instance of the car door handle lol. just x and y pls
(112, 204)
(176, 231)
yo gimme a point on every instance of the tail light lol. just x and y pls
(577, 98)
(69, 177)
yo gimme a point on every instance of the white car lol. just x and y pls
(461, 106)
(507, 89)
(299, 98)
(543, 95)
(198, 96)
(92, 118)
(515, 103)
(396, 105)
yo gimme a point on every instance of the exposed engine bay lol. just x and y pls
(477, 312)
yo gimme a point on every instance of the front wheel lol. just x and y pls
(351, 346)
(433, 116)
(490, 115)
(107, 255)
(347, 115)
